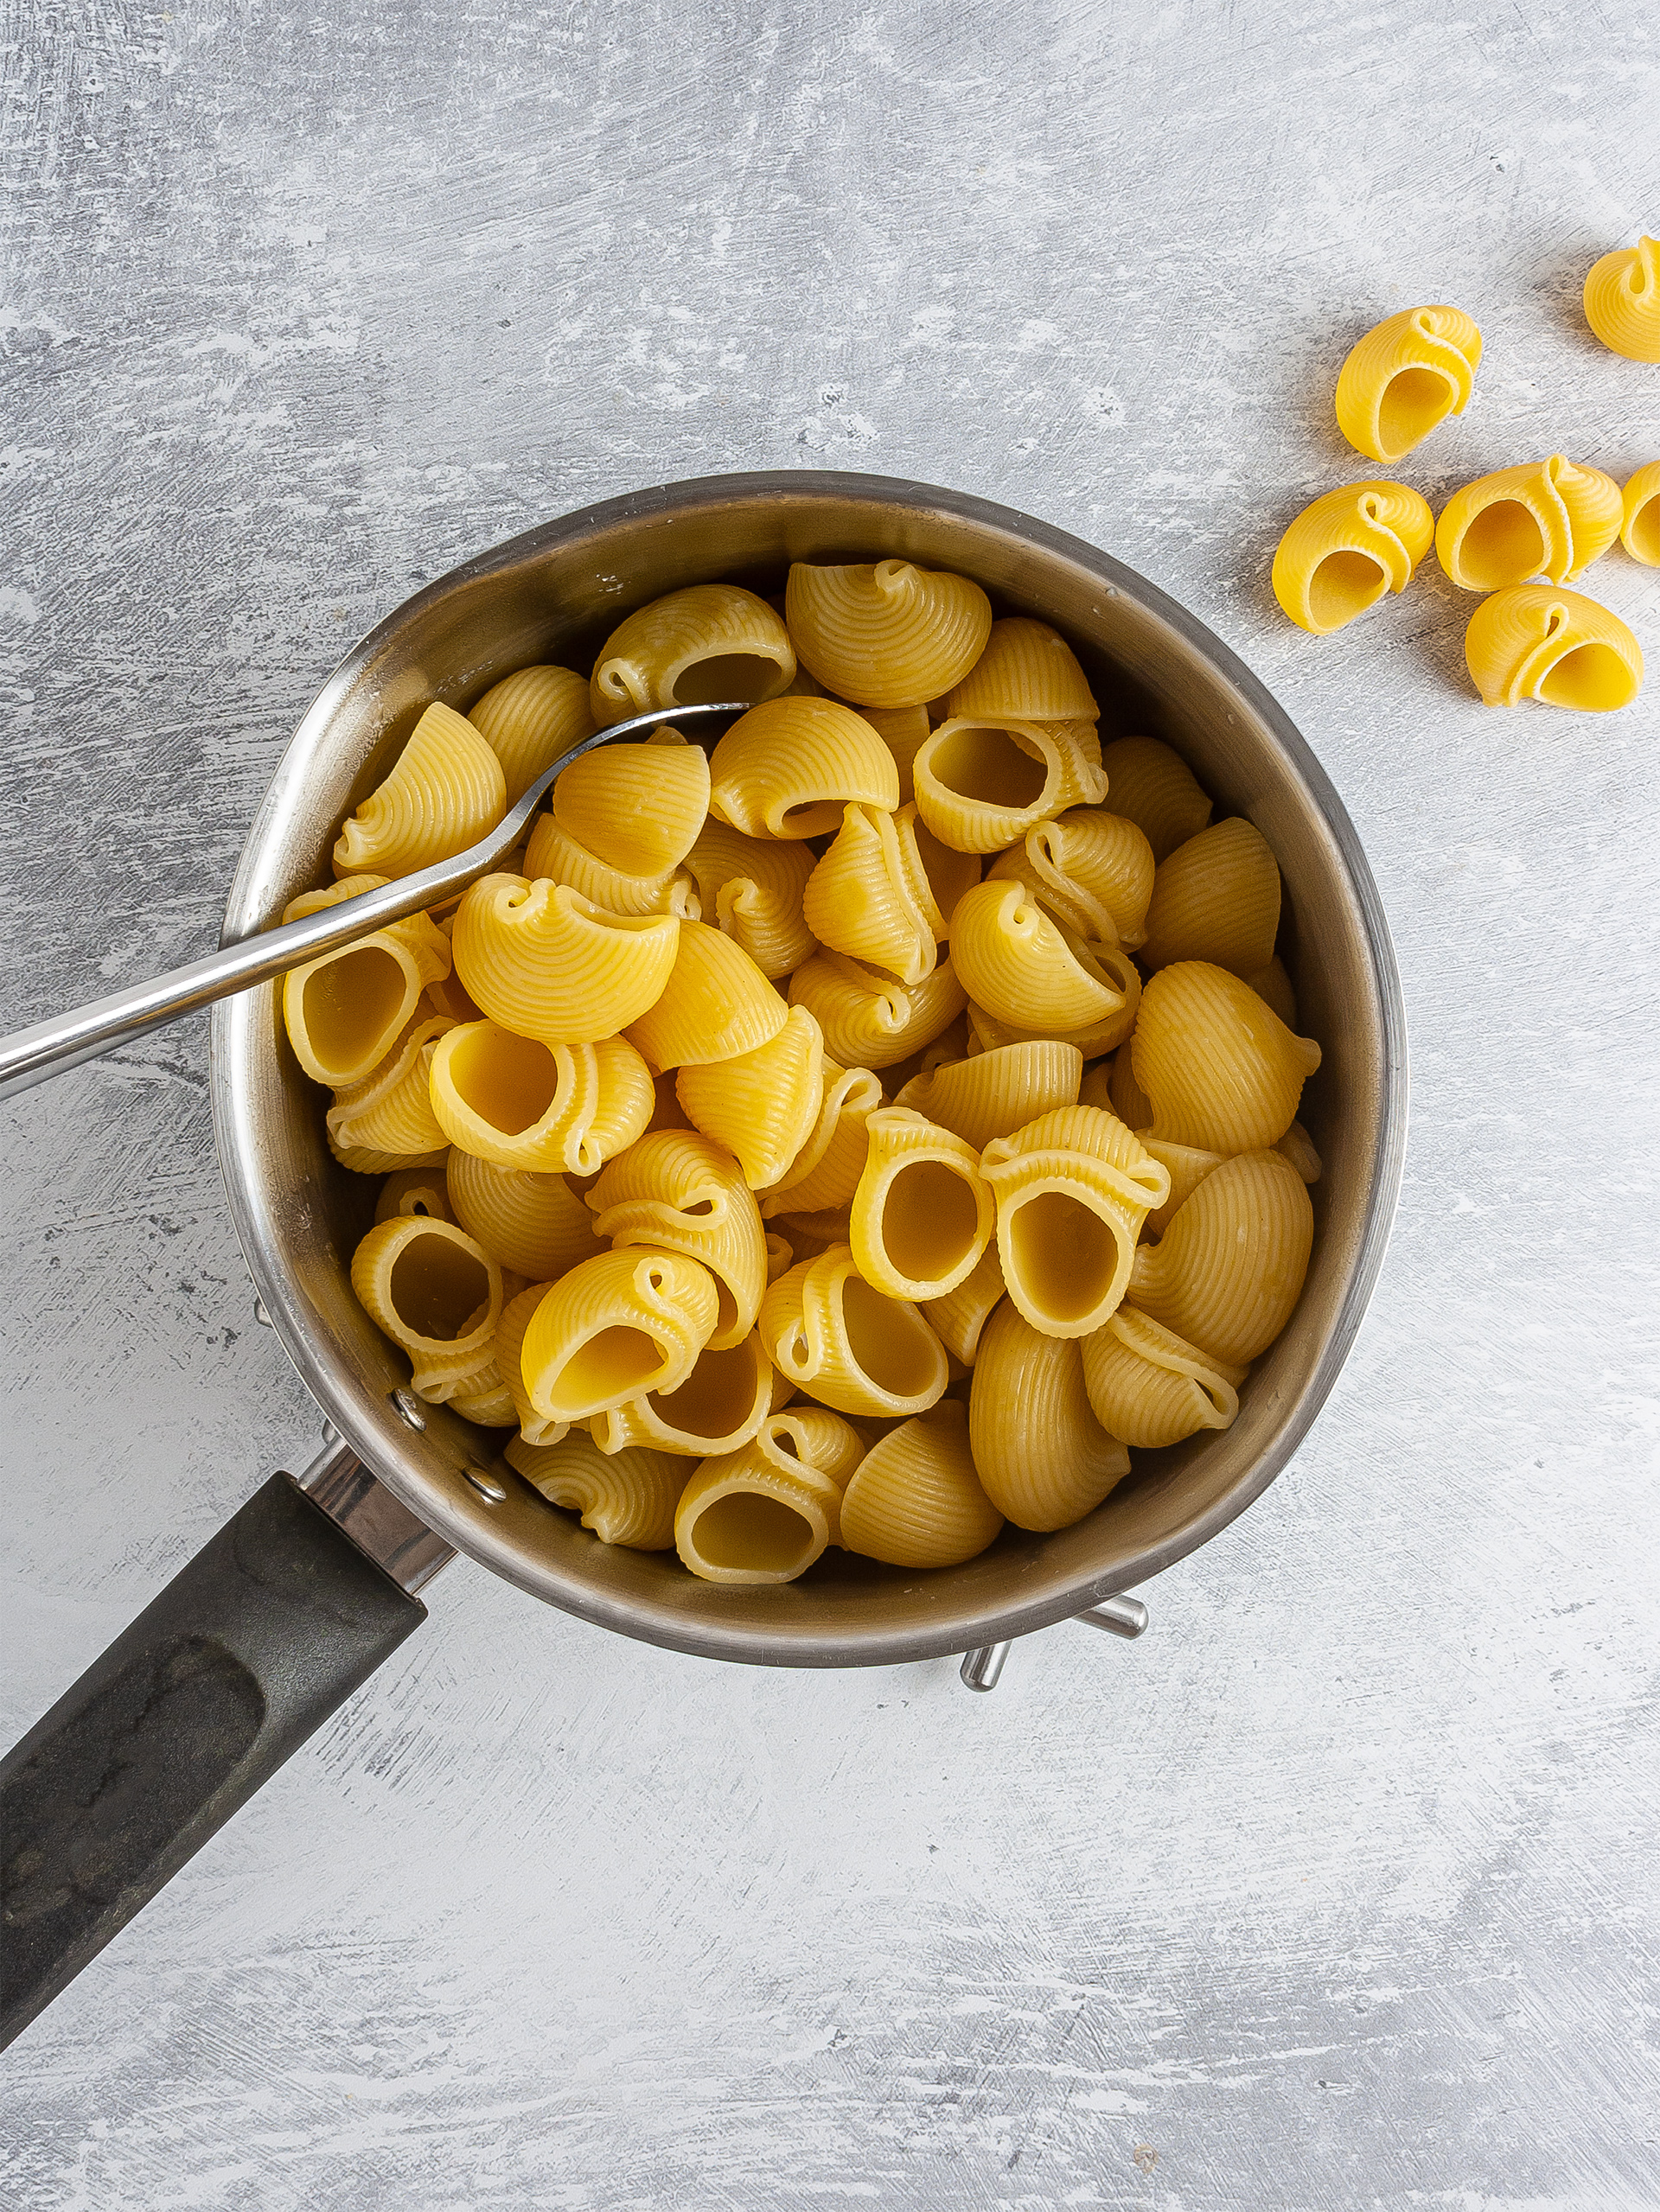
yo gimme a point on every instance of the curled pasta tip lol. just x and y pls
(1026, 970)
(389, 1111)
(869, 1019)
(1405, 377)
(545, 1108)
(870, 897)
(1540, 641)
(825, 1172)
(626, 1497)
(1150, 1386)
(1093, 870)
(445, 790)
(915, 1500)
(885, 632)
(1027, 670)
(1547, 518)
(1073, 1189)
(529, 719)
(1640, 530)
(677, 1190)
(436, 1292)
(982, 783)
(616, 1327)
(1622, 300)
(855, 1349)
(750, 889)
(416, 1190)
(1346, 549)
(710, 642)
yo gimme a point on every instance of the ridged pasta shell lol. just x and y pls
(540, 959)
(1151, 1386)
(616, 1327)
(763, 1106)
(436, 1292)
(710, 641)
(786, 769)
(1274, 987)
(1188, 1167)
(982, 783)
(869, 1019)
(757, 1515)
(958, 1317)
(552, 852)
(1640, 530)
(534, 1427)
(1027, 670)
(1346, 549)
(902, 730)
(920, 1216)
(529, 719)
(1622, 300)
(856, 1350)
(750, 889)
(534, 1224)
(988, 1033)
(1541, 641)
(886, 631)
(522, 1104)
(715, 1004)
(1229, 1270)
(1406, 376)
(390, 1110)
(1221, 1070)
(1072, 1189)
(781, 1258)
(914, 1499)
(1153, 787)
(416, 1190)
(363, 1159)
(445, 790)
(639, 807)
(1216, 898)
(870, 897)
(628, 1498)
(719, 1407)
(1546, 518)
(1023, 968)
(1045, 1459)
(343, 1012)
(825, 1172)
(677, 1190)
(997, 1091)
(1093, 870)
(1112, 1083)
(1297, 1146)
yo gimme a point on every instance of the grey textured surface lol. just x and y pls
(1340, 1888)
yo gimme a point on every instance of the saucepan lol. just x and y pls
(290, 1608)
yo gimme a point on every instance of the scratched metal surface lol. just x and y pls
(1340, 1889)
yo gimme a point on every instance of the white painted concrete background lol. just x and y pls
(1340, 1889)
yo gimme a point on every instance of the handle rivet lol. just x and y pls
(486, 1484)
(408, 1407)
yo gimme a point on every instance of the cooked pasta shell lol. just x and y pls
(534, 1224)
(884, 631)
(1640, 530)
(615, 1327)
(869, 1020)
(988, 1033)
(522, 1104)
(390, 1110)
(540, 959)
(786, 769)
(920, 1216)
(1405, 377)
(958, 1318)
(715, 1004)
(1541, 641)
(1229, 1268)
(902, 730)
(534, 1427)
(529, 719)
(1216, 898)
(1072, 1189)
(1045, 1457)
(1346, 549)
(1297, 1146)
(997, 1091)
(1622, 300)
(1188, 1167)
(415, 1191)
(855, 1350)
(1151, 1386)
(552, 852)
(626, 1498)
(1220, 1069)
(869, 896)
(763, 1106)
(1272, 984)
(759, 1514)
(1024, 969)
(678, 1191)
(750, 889)
(982, 783)
(719, 1407)
(1154, 789)
(444, 792)
(1092, 870)
(343, 1012)
(1027, 670)
(436, 1292)
(710, 641)
(1546, 518)
(915, 1500)
(825, 1172)
(637, 807)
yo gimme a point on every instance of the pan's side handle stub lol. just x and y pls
(249, 1648)
(1119, 1616)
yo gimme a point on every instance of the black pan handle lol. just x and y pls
(273, 1625)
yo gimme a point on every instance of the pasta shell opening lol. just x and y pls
(1503, 544)
(618, 1362)
(929, 1225)
(1592, 678)
(1344, 585)
(747, 1533)
(1069, 1261)
(1640, 530)
(1413, 402)
(984, 763)
(437, 1286)
(716, 1398)
(507, 1080)
(897, 1350)
(718, 676)
(352, 1007)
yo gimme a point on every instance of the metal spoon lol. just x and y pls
(48, 1047)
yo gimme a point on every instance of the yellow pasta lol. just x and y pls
(788, 768)
(534, 1224)
(920, 1216)
(436, 1292)
(1547, 518)
(1622, 300)
(449, 996)
(1346, 549)
(1027, 670)
(1045, 1457)
(915, 1500)
(1216, 898)
(982, 784)
(1221, 1070)
(626, 1498)
(710, 642)
(831, 1334)
(1273, 985)
(886, 632)
(343, 1012)
(780, 1256)
(1229, 1270)
(390, 1110)
(529, 719)
(1640, 529)
(902, 730)
(997, 1091)
(869, 1020)
(1540, 641)
(616, 1327)
(551, 851)
(485, 1400)
(415, 1191)
(825, 1172)
(812, 1234)
(1151, 1386)
(988, 1034)
(535, 1429)
(521, 1104)
(870, 897)
(677, 1191)
(1188, 1166)
(637, 807)
(1405, 377)
(1297, 1146)
(1093, 870)
(763, 1106)
(715, 1004)
(719, 1407)
(750, 889)
(760, 1515)
(540, 959)
(1154, 789)
(445, 790)
(363, 1159)
(1123, 1094)
(1026, 970)
(958, 1318)
(1072, 1189)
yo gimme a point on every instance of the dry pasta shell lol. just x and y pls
(1622, 300)
(626, 1497)
(870, 897)
(534, 1427)
(1216, 898)
(1273, 985)
(886, 632)
(1406, 376)
(1640, 529)
(1544, 519)
(1027, 670)
(750, 889)
(914, 1499)
(362, 1159)
(763, 1106)
(534, 1224)
(902, 730)
(958, 1317)
(344, 1011)
(1188, 1167)
(982, 783)
(1072, 1189)
(445, 790)
(709, 643)
(416, 1190)
(530, 719)
(1541, 641)
(855, 1350)
(719, 1407)
(871, 1020)
(677, 1190)
(715, 1004)
(540, 959)
(987, 1034)
(997, 1091)
(546, 1108)
(757, 1515)
(920, 1216)
(436, 1292)
(616, 1327)
(552, 852)
(1112, 1083)
(1093, 870)
(1229, 1270)
(1045, 1459)
(1153, 787)
(1221, 1070)
(825, 1172)
(1024, 969)
(1152, 1387)
(639, 807)
(786, 769)
(390, 1111)
(1346, 549)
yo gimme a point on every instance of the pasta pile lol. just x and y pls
(860, 1135)
(1546, 519)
